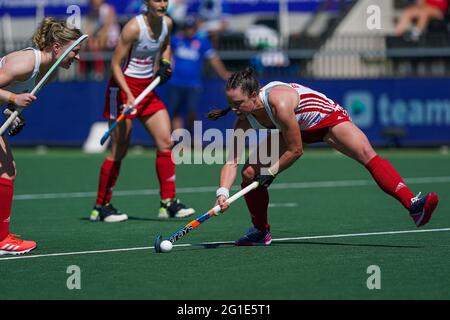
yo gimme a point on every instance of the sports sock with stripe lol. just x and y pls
(109, 173)
(389, 180)
(257, 202)
(165, 168)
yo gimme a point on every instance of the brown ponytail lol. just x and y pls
(51, 30)
(245, 80)
(218, 113)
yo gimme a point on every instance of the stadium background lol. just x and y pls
(396, 91)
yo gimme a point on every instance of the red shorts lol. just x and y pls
(116, 99)
(318, 132)
(440, 4)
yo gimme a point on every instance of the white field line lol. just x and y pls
(283, 205)
(275, 186)
(31, 256)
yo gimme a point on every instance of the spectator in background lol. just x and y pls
(421, 12)
(177, 11)
(189, 53)
(103, 29)
(135, 7)
(214, 19)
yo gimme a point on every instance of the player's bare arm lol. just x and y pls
(166, 50)
(283, 101)
(229, 170)
(219, 67)
(129, 35)
(17, 67)
(103, 32)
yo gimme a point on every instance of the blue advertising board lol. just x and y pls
(65, 112)
(27, 8)
(20, 8)
(418, 108)
(271, 6)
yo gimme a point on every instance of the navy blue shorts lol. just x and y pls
(183, 100)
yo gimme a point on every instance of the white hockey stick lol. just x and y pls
(210, 213)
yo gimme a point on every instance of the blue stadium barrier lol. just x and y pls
(19, 8)
(407, 112)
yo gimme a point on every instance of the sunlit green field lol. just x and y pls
(330, 223)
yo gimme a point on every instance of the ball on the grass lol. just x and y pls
(166, 246)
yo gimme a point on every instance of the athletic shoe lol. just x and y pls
(13, 245)
(255, 237)
(173, 208)
(422, 208)
(107, 213)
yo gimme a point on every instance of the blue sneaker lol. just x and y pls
(255, 237)
(422, 208)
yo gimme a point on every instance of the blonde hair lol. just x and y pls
(51, 31)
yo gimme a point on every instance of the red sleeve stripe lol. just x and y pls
(306, 110)
(318, 101)
(315, 103)
(313, 96)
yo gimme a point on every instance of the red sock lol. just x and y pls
(6, 196)
(257, 203)
(165, 168)
(108, 177)
(389, 180)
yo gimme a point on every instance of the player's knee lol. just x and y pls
(8, 176)
(165, 148)
(413, 11)
(121, 155)
(366, 153)
(165, 144)
(8, 170)
(118, 153)
(248, 174)
(117, 156)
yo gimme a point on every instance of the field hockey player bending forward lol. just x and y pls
(302, 116)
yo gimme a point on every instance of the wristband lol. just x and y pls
(12, 98)
(166, 61)
(222, 191)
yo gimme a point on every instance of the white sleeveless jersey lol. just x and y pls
(27, 85)
(312, 108)
(145, 51)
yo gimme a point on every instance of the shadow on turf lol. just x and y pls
(276, 243)
(158, 220)
(345, 244)
(213, 245)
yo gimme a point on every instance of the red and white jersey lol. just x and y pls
(145, 51)
(27, 85)
(312, 108)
